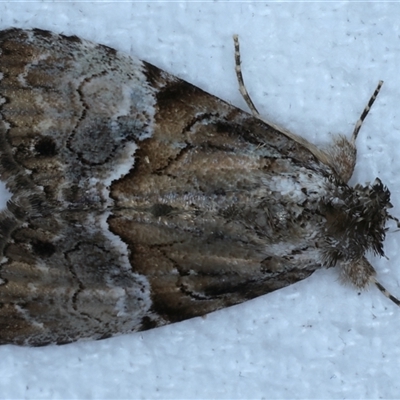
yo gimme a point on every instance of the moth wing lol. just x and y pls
(137, 198)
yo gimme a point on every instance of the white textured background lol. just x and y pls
(311, 68)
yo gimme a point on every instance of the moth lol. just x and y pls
(139, 200)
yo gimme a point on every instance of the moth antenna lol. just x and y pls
(386, 293)
(320, 154)
(365, 112)
(239, 75)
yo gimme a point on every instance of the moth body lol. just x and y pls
(140, 200)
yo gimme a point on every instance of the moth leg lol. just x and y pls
(343, 152)
(386, 293)
(361, 273)
(239, 75)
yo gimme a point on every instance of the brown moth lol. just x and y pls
(140, 200)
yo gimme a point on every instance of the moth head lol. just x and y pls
(356, 223)
(367, 215)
